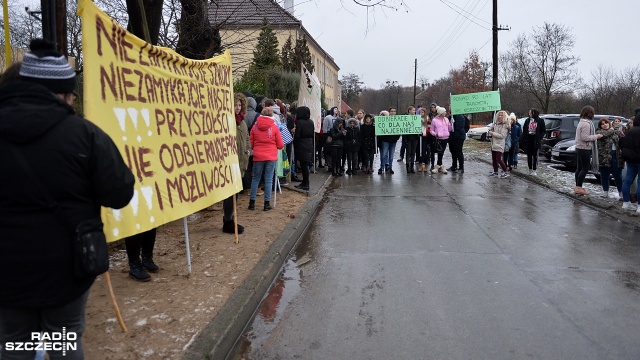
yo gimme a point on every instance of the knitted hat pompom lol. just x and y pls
(45, 66)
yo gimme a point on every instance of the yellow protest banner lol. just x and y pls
(171, 118)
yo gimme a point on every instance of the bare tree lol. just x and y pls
(23, 28)
(542, 63)
(601, 88)
(627, 90)
(611, 93)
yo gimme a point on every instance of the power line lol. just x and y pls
(444, 50)
(453, 35)
(453, 38)
(468, 13)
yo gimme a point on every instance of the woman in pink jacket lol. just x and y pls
(265, 141)
(441, 127)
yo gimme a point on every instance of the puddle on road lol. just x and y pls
(273, 306)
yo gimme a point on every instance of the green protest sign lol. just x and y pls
(475, 102)
(398, 125)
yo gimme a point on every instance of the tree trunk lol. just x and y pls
(152, 19)
(197, 39)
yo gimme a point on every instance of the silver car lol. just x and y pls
(480, 133)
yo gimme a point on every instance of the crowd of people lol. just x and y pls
(351, 144)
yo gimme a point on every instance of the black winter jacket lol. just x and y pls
(80, 167)
(367, 136)
(353, 139)
(630, 145)
(336, 133)
(461, 125)
(535, 139)
(303, 140)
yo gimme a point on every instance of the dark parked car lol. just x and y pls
(563, 126)
(564, 153)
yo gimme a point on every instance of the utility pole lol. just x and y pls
(61, 26)
(7, 35)
(48, 8)
(496, 28)
(415, 81)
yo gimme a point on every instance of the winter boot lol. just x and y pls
(419, 167)
(443, 170)
(147, 262)
(411, 169)
(136, 271)
(267, 206)
(230, 228)
(605, 194)
(628, 206)
(252, 204)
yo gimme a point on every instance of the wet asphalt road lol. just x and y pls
(454, 267)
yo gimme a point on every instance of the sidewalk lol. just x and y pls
(218, 338)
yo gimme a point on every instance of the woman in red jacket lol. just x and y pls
(265, 141)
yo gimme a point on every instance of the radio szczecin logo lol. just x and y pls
(56, 341)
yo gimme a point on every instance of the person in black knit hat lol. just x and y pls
(48, 150)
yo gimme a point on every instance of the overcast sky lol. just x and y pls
(437, 33)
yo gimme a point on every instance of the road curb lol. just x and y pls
(219, 337)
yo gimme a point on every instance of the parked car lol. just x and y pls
(480, 133)
(564, 153)
(521, 122)
(562, 127)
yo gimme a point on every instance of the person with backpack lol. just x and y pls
(511, 143)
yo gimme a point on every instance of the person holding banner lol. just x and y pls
(461, 125)
(441, 129)
(58, 169)
(411, 144)
(388, 148)
(265, 141)
(242, 142)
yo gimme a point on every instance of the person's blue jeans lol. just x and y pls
(607, 171)
(17, 324)
(386, 158)
(634, 185)
(260, 167)
(632, 172)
